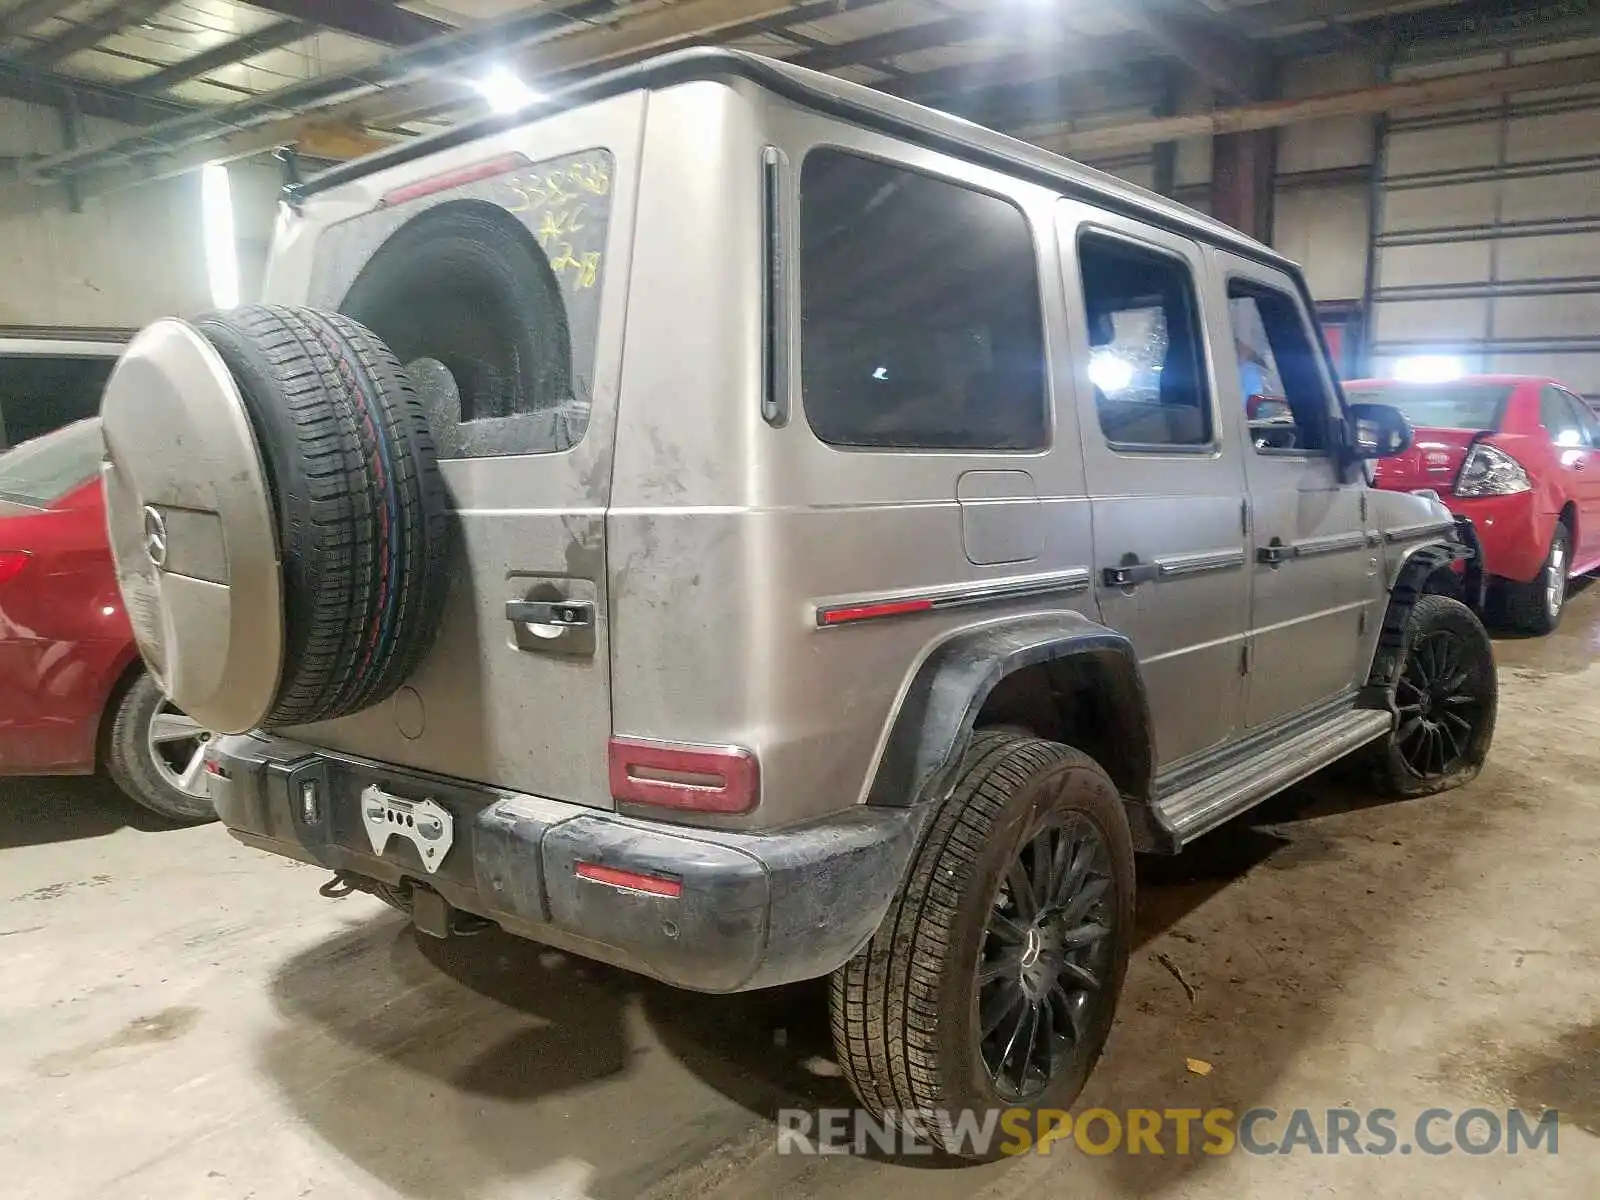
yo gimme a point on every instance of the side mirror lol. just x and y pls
(1378, 431)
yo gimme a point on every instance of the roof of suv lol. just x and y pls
(837, 97)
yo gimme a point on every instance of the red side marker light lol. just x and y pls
(633, 881)
(866, 612)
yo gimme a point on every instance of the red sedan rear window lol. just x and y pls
(1441, 405)
(41, 471)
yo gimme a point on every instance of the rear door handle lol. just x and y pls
(560, 614)
(1131, 574)
(1274, 556)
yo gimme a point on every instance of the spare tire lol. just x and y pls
(287, 565)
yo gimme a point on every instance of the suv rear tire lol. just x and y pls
(994, 976)
(1446, 698)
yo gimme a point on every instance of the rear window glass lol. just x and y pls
(921, 325)
(41, 471)
(1440, 406)
(38, 394)
(489, 293)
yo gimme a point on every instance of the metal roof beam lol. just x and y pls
(1360, 102)
(945, 32)
(118, 16)
(410, 80)
(34, 85)
(387, 24)
(273, 37)
(1230, 65)
(16, 21)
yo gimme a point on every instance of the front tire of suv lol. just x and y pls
(994, 976)
(1536, 607)
(1445, 699)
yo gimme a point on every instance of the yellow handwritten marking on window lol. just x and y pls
(585, 267)
(563, 222)
(553, 189)
(592, 177)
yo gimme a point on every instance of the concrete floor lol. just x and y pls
(183, 1018)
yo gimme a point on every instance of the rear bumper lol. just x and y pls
(753, 910)
(1513, 535)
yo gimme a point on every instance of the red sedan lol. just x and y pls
(73, 692)
(1521, 457)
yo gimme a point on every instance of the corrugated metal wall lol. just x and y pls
(126, 258)
(1323, 202)
(1488, 242)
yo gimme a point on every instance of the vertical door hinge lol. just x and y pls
(1244, 518)
(1361, 625)
(1244, 658)
(1363, 508)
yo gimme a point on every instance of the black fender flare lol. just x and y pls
(1409, 586)
(933, 722)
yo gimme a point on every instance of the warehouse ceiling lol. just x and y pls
(192, 81)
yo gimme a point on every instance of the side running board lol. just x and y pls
(1198, 805)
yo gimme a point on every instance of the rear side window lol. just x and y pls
(921, 326)
(1440, 405)
(1561, 419)
(489, 292)
(44, 469)
(1145, 358)
(38, 394)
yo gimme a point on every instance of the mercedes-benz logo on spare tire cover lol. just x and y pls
(155, 537)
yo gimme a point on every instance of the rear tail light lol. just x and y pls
(12, 563)
(1490, 471)
(708, 779)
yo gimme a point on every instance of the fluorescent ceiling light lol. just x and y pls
(504, 91)
(1429, 368)
(222, 255)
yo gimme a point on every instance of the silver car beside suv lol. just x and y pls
(743, 527)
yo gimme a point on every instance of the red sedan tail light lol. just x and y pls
(12, 563)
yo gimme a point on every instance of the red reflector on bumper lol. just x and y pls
(691, 778)
(654, 885)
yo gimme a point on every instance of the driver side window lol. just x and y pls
(1282, 387)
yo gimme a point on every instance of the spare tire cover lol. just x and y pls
(191, 526)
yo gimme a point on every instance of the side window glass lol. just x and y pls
(1146, 360)
(1560, 421)
(1584, 416)
(38, 395)
(921, 326)
(1283, 389)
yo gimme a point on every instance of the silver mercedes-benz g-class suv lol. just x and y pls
(743, 527)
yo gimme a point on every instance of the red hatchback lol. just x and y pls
(73, 692)
(1521, 457)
